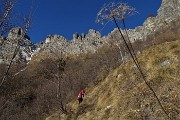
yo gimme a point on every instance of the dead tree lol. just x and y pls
(26, 25)
(5, 15)
(119, 11)
(61, 63)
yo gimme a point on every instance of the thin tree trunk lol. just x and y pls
(140, 70)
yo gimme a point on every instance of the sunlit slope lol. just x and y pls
(123, 95)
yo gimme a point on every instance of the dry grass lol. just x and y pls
(123, 94)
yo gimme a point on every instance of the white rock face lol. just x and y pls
(90, 42)
(169, 11)
(15, 33)
(9, 44)
(26, 56)
(80, 43)
(47, 40)
(169, 8)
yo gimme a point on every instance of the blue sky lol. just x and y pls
(65, 17)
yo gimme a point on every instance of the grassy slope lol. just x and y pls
(124, 96)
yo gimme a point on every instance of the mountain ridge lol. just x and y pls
(93, 40)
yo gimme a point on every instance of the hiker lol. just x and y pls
(80, 97)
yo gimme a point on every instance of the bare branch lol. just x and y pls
(16, 50)
(5, 15)
(118, 10)
(8, 5)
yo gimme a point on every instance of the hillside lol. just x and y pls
(123, 95)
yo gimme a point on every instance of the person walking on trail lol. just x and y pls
(80, 97)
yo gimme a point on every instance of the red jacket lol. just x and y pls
(82, 91)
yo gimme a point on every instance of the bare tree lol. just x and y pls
(60, 67)
(26, 25)
(5, 15)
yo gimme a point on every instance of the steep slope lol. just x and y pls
(124, 96)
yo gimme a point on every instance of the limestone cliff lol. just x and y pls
(168, 14)
(9, 44)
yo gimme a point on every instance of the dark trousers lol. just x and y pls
(80, 100)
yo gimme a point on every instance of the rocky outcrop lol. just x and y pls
(9, 44)
(79, 44)
(15, 33)
(168, 12)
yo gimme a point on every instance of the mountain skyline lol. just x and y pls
(65, 17)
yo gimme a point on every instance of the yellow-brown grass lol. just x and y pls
(124, 96)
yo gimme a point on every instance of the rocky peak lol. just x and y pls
(93, 34)
(9, 44)
(18, 33)
(53, 38)
(169, 9)
(81, 43)
(75, 36)
(15, 33)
